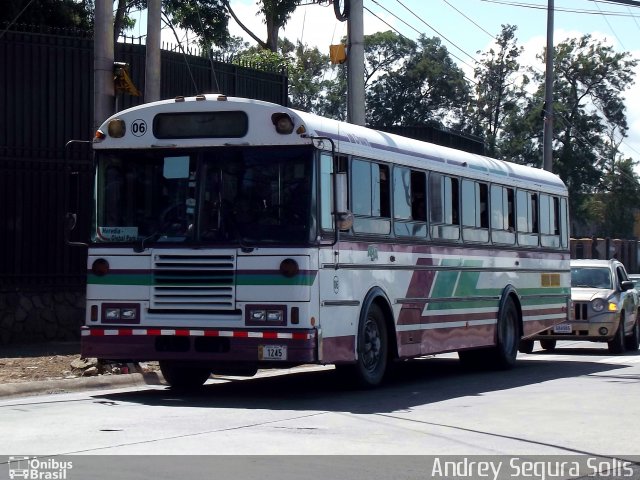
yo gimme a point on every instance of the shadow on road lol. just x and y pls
(412, 383)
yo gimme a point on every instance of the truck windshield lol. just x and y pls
(236, 195)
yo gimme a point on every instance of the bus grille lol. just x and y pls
(193, 282)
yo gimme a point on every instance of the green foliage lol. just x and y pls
(50, 13)
(589, 124)
(621, 197)
(208, 18)
(264, 60)
(497, 91)
(425, 87)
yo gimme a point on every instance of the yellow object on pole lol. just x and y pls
(122, 81)
(337, 54)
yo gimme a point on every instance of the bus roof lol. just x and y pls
(349, 139)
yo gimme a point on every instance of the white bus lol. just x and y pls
(230, 235)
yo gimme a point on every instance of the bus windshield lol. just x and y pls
(237, 195)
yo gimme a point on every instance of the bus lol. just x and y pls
(231, 235)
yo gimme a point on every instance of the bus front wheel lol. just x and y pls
(184, 376)
(372, 348)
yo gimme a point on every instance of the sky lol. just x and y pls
(466, 27)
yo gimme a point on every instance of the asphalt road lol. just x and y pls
(579, 401)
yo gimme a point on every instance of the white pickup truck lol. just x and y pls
(605, 307)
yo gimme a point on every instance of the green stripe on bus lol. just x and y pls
(120, 279)
(277, 280)
(240, 279)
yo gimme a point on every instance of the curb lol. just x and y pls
(101, 382)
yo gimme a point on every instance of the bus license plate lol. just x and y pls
(562, 328)
(272, 352)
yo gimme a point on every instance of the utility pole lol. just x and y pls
(104, 93)
(355, 63)
(547, 135)
(152, 61)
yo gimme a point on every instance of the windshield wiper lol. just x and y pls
(138, 247)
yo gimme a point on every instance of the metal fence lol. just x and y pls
(46, 99)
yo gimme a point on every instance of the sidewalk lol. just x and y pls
(39, 353)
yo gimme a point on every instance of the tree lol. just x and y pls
(621, 196)
(207, 18)
(307, 82)
(427, 87)
(276, 15)
(589, 80)
(51, 13)
(496, 92)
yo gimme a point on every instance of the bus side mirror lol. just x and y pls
(344, 218)
(73, 202)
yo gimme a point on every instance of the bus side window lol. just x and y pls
(549, 209)
(474, 204)
(527, 208)
(326, 187)
(370, 191)
(444, 210)
(502, 215)
(409, 202)
(326, 192)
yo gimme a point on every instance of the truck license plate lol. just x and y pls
(272, 352)
(562, 328)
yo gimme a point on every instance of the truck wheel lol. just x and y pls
(526, 346)
(632, 342)
(548, 345)
(183, 375)
(616, 344)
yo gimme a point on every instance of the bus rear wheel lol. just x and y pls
(508, 337)
(372, 348)
(503, 355)
(183, 375)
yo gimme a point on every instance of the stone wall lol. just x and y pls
(29, 317)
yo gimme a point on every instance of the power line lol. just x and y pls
(436, 31)
(537, 6)
(470, 19)
(422, 33)
(612, 29)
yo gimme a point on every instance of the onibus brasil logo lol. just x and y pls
(33, 468)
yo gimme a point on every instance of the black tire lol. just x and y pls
(616, 344)
(503, 355)
(508, 337)
(526, 346)
(548, 345)
(372, 348)
(184, 376)
(632, 342)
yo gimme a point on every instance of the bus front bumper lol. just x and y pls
(208, 345)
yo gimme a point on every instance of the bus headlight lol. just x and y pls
(270, 314)
(116, 128)
(100, 267)
(283, 123)
(289, 267)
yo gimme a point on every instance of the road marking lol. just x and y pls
(615, 360)
(619, 360)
